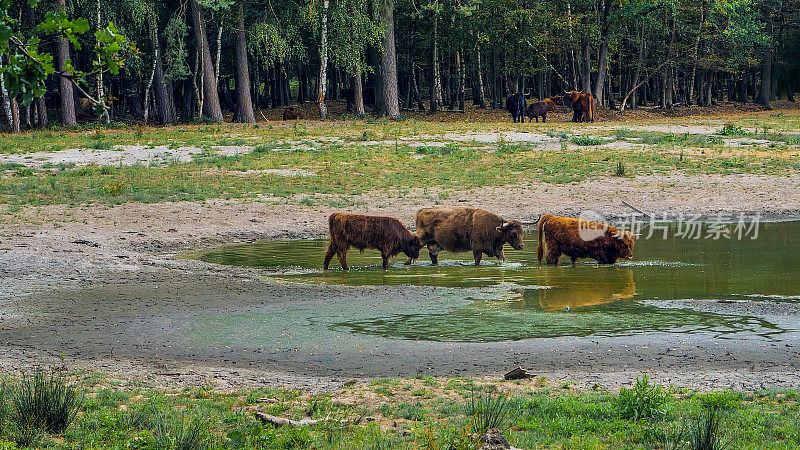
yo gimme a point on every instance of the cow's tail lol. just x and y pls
(540, 247)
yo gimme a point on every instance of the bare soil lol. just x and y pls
(82, 281)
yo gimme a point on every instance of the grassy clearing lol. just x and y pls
(390, 414)
(351, 158)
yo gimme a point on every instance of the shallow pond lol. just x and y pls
(522, 299)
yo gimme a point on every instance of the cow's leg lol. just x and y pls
(553, 255)
(544, 118)
(433, 252)
(409, 260)
(385, 260)
(342, 255)
(328, 256)
(501, 256)
(478, 256)
(573, 258)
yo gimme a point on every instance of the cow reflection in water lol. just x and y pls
(566, 290)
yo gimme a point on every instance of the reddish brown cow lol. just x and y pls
(460, 229)
(582, 106)
(565, 236)
(386, 234)
(291, 113)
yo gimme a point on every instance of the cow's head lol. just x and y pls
(412, 247)
(571, 96)
(624, 241)
(511, 232)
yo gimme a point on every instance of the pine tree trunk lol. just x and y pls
(436, 87)
(244, 110)
(391, 104)
(210, 99)
(586, 63)
(602, 61)
(358, 94)
(323, 63)
(68, 116)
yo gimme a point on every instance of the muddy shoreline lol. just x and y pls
(101, 285)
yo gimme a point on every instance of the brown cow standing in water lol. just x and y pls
(565, 236)
(386, 234)
(291, 113)
(460, 229)
(582, 106)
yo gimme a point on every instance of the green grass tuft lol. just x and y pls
(486, 412)
(44, 402)
(644, 401)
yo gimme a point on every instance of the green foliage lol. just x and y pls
(25, 68)
(644, 401)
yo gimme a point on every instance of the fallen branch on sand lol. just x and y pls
(282, 421)
(636, 209)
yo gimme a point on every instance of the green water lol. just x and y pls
(522, 299)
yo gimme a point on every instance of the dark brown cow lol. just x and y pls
(291, 113)
(582, 106)
(539, 109)
(563, 237)
(386, 234)
(460, 229)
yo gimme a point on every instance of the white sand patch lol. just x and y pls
(510, 136)
(125, 155)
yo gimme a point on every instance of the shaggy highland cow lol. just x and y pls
(578, 238)
(386, 234)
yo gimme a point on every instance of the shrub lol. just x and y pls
(44, 402)
(487, 412)
(644, 401)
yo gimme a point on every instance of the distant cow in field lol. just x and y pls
(582, 106)
(515, 105)
(386, 234)
(540, 109)
(460, 229)
(578, 238)
(291, 113)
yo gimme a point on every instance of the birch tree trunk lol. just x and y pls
(323, 62)
(210, 98)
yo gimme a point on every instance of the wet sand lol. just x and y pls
(101, 286)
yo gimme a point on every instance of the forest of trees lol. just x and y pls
(168, 61)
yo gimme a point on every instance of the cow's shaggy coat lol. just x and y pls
(460, 229)
(291, 113)
(582, 106)
(385, 234)
(515, 105)
(539, 109)
(562, 236)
